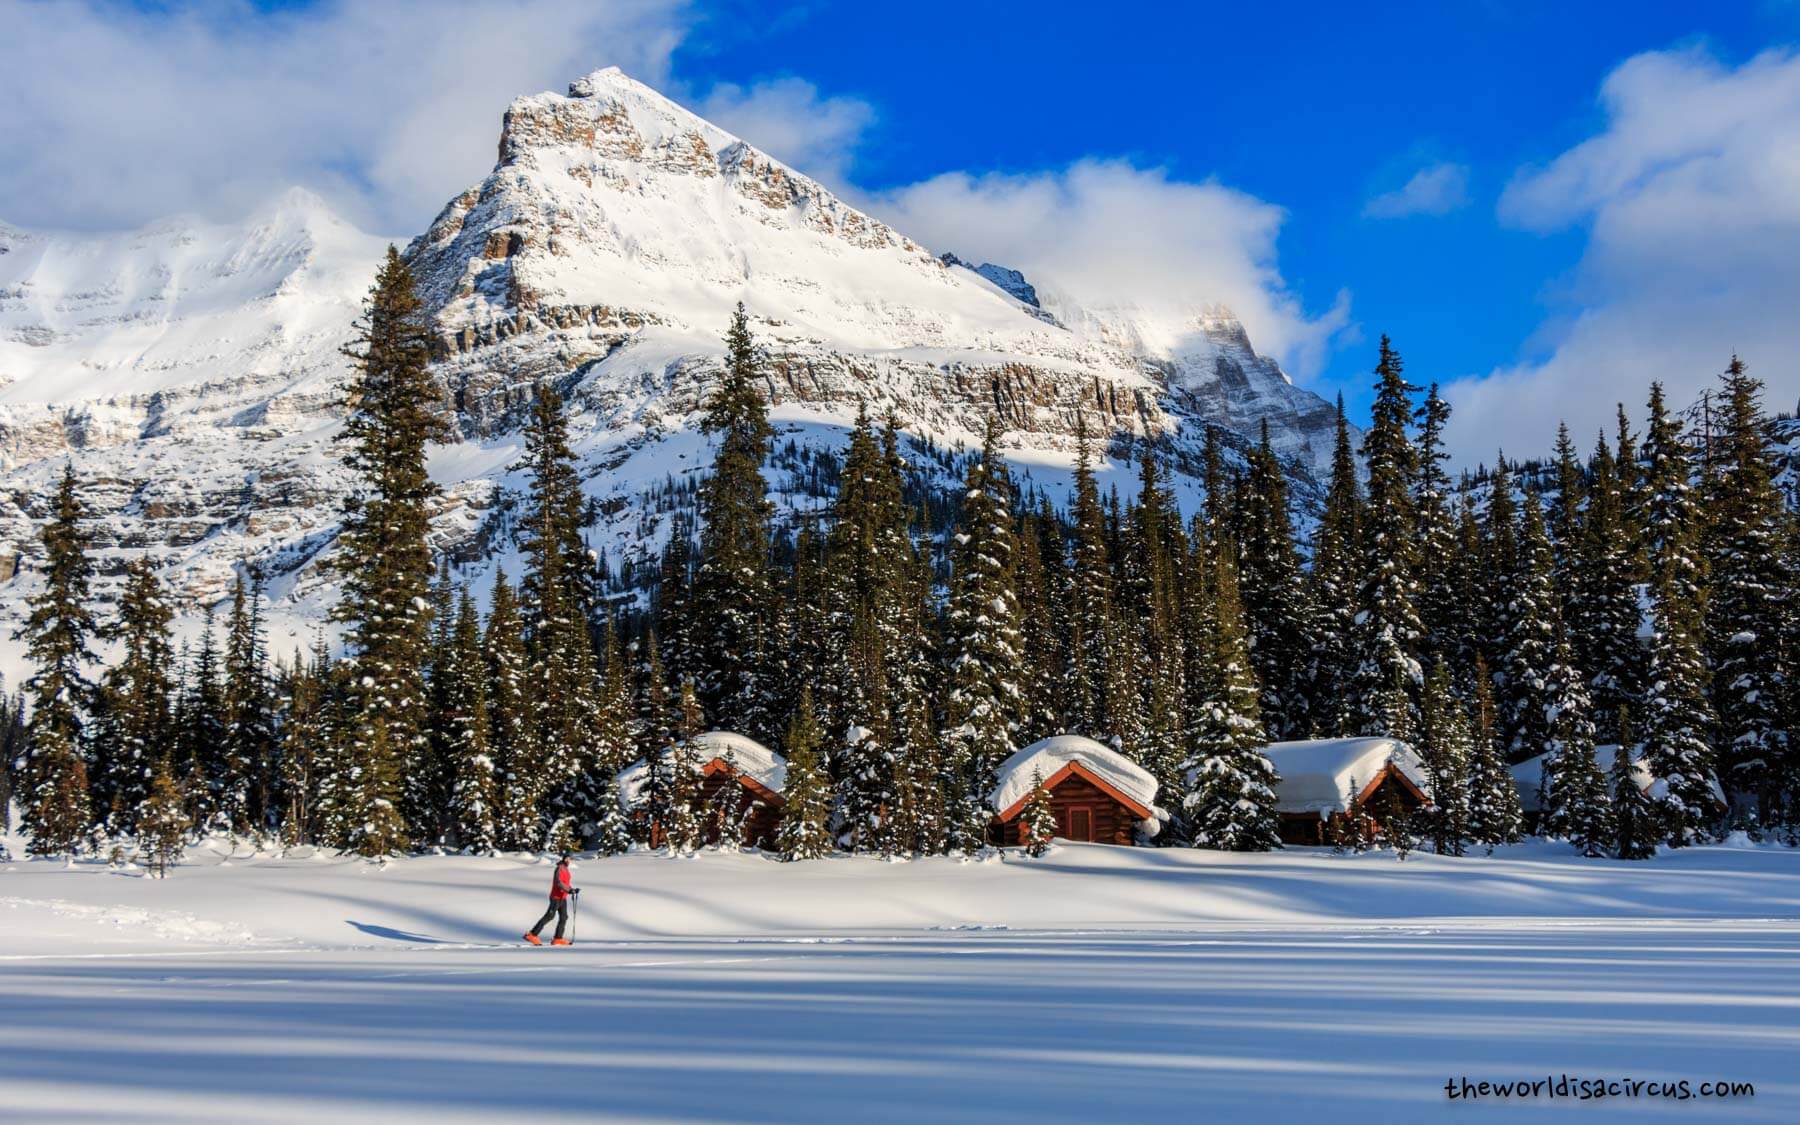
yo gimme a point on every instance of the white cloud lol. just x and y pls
(116, 115)
(1436, 190)
(1691, 195)
(1109, 234)
(787, 118)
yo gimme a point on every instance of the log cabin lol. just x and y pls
(1097, 794)
(1528, 779)
(741, 781)
(1326, 780)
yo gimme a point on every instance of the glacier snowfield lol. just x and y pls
(1094, 984)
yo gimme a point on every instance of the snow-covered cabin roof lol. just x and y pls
(748, 756)
(1317, 773)
(1050, 756)
(1528, 777)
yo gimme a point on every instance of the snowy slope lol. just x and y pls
(191, 372)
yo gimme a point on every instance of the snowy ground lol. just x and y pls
(1095, 984)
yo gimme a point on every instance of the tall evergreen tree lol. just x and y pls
(1439, 602)
(1635, 824)
(1336, 571)
(1494, 816)
(55, 809)
(200, 720)
(732, 589)
(1533, 627)
(1387, 630)
(1275, 596)
(140, 701)
(516, 740)
(1230, 799)
(1091, 600)
(1749, 599)
(306, 741)
(246, 784)
(384, 558)
(1603, 609)
(1446, 745)
(1678, 717)
(1577, 806)
(983, 646)
(805, 831)
(557, 600)
(475, 783)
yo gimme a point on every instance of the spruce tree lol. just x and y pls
(1499, 572)
(983, 647)
(1677, 714)
(475, 784)
(1577, 806)
(1091, 601)
(140, 701)
(1748, 602)
(246, 780)
(1533, 626)
(1336, 571)
(1446, 746)
(1230, 798)
(201, 721)
(305, 740)
(558, 599)
(1041, 581)
(1439, 600)
(675, 601)
(1387, 631)
(162, 823)
(1635, 824)
(515, 738)
(1603, 605)
(875, 609)
(384, 558)
(54, 800)
(1037, 822)
(732, 589)
(805, 831)
(1275, 596)
(1494, 815)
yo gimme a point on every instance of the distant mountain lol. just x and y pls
(192, 372)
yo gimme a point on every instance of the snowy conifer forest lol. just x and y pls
(1640, 597)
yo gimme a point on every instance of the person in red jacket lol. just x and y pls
(560, 893)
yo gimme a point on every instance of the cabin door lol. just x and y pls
(1078, 825)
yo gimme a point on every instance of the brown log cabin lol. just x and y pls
(739, 780)
(1391, 791)
(1088, 810)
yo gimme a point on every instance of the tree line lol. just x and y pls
(1643, 595)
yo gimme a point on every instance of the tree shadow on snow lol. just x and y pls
(392, 934)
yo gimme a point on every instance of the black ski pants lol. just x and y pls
(559, 910)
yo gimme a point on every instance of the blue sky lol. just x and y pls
(1316, 107)
(1600, 193)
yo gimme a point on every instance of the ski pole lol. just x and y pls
(575, 919)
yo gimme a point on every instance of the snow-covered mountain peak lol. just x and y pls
(193, 370)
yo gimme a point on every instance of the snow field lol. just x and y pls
(1095, 984)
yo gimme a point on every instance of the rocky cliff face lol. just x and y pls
(192, 373)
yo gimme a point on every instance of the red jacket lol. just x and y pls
(559, 883)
